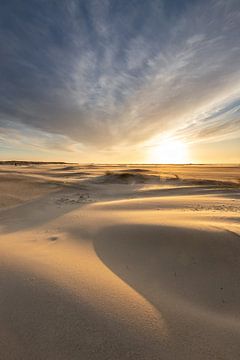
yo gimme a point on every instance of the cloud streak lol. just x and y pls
(90, 74)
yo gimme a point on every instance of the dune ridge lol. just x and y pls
(119, 262)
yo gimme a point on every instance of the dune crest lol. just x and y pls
(119, 262)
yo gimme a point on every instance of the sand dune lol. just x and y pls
(116, 266)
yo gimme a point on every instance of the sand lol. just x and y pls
(119, 262)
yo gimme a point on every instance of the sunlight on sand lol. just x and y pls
(119, 262)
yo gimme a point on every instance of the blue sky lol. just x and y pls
(108, 80)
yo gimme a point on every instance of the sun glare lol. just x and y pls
(169, 151)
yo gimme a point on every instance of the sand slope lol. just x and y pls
(97, 265)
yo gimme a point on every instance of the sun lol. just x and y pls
(169, 151)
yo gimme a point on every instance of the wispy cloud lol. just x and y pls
(109, 73)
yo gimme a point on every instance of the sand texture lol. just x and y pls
(119, 262)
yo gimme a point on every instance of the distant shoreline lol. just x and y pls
(23, 162)
(26, 162)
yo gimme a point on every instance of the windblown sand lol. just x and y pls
(119, 262)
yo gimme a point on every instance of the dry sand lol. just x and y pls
(119, 262)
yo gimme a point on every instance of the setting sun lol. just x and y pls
(119, 179)
(169, 151)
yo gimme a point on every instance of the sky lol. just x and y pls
(120, 81)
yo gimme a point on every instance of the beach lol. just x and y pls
(119, 262)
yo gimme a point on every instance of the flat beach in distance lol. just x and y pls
(119, 261)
